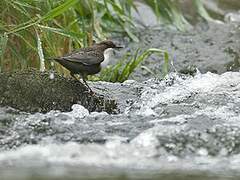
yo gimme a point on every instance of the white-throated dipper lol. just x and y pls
(87, 61)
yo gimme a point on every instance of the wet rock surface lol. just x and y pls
(34, 91)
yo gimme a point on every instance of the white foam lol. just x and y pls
(182, 89)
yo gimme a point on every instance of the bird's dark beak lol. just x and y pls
(118, 47)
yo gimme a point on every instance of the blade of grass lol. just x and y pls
(62, 32)
(59, 10)
(49, 16)
(121, 71)
(201, 10)
(3, 45)
(166, 64)
(40, 52)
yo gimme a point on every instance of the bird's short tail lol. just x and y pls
(53, 58)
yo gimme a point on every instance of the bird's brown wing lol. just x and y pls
(85, 57)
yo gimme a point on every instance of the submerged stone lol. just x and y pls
(34, 91)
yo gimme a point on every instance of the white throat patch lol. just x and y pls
(107, 55)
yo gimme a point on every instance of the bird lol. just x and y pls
(87, 61)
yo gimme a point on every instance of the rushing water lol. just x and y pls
(182, 126)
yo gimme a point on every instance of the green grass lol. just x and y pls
(125, 66)
(32, 30)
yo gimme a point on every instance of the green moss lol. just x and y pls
(34, 91)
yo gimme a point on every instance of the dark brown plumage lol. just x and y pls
(86, 61)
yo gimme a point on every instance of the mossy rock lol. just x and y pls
(34, 91)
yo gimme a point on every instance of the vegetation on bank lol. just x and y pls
(32, 30)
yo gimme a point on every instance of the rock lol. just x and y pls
(209, 47)
(34, 91)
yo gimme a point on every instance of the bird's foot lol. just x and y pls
(88, 87)
(92, 93)
(89, 90)
(74, 77)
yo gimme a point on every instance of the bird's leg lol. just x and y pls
(85, 82)
(74, 76)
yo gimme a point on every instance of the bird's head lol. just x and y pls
(106, 47)
(108, 44)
